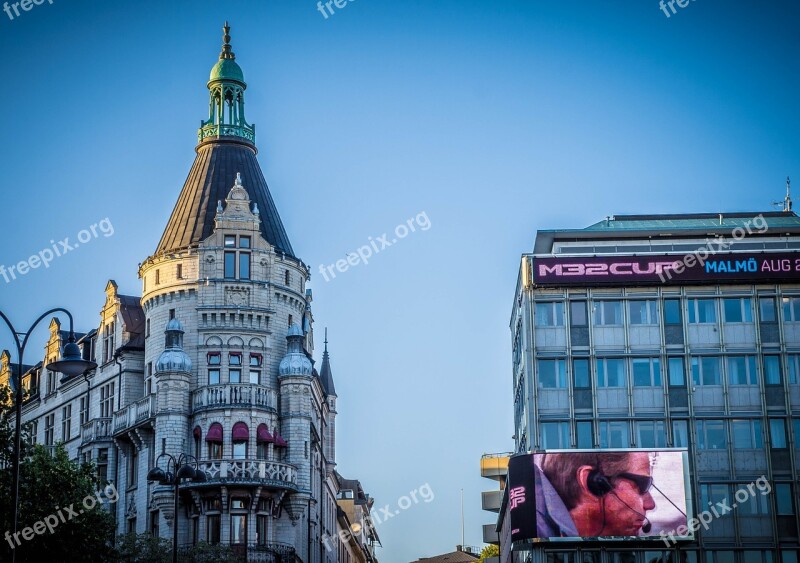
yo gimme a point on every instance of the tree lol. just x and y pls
(490, 550)
(60, 516)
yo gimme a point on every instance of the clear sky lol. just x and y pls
(494, 118)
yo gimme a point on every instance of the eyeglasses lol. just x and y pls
(642, 482)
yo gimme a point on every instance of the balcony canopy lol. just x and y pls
(240, 432)
(263, 435)
(214, 433)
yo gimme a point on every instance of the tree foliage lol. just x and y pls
(52, 490)
(490, 550)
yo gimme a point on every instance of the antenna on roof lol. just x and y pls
(787, 201)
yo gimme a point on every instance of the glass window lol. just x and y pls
(747, 434)
(754, 504)
(777, 433)
(214, 450)
(235, 359)
(214, 358)
(643, 312)
(793, 360)
(672, 311)
(738, 310)
(230, 265)
(772, 370)
(213, 528)
(705, 370)
(244, 242)
(608, 313)
(584, 432)
(711, 435)
(262, 525)
(712, 494)
(549, 314)
(788, 556)
(796, 431)
(262, 450)
(784, 498)
(680, 434)
(742, 370)
(580, 373)
(766, 306)
(650, 434)
(577, 311)
(610, 372)
(213, 376)
(244, 266)
(676, 373)
(555, 435)
(230, 241)
(552, 373)
(614, 434)
(646, 372)
(702, 311)
(255, 360)
(234, 376)
(255, 377)
(240, 450)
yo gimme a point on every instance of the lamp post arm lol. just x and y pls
(45, 314)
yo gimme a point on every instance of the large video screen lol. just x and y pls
(599, 494)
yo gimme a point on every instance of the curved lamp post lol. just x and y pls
(71, 364)
(181, 470)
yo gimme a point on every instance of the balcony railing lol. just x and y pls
(97, 429)
(259, 471)
(234, 394)
(134, 414)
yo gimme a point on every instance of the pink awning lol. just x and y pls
(263, 435)
(214, 433)
(240, 432)
(279, 441)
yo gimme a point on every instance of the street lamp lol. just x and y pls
(181, 469)
(71, 364)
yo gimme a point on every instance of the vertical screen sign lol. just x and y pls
(608, 494)
(666, 269)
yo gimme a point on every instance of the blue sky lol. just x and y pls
(493, 118)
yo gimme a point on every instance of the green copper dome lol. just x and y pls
(227, 69)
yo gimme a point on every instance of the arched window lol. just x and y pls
(197, 433)
(215, 441)
(263, 440)
(240, 435)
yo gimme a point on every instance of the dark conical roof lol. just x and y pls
(325, 375)
(210, 179)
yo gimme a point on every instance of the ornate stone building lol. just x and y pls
(213, 361)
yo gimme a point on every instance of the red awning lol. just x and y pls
(279, 441)
(263, 435)
(197, 432)
(214, 433)
(240, 432)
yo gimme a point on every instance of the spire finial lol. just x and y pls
(326, 340)
(226, 53)
(787, 204)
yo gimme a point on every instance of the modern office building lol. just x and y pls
(668, 331)
(213, 360)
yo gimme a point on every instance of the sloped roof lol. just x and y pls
(454, 557)
(210, 179)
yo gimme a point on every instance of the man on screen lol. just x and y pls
(606, 494)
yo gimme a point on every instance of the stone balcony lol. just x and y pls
(260, 472)
(229, 395)
(140, 413)
(96, 430)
